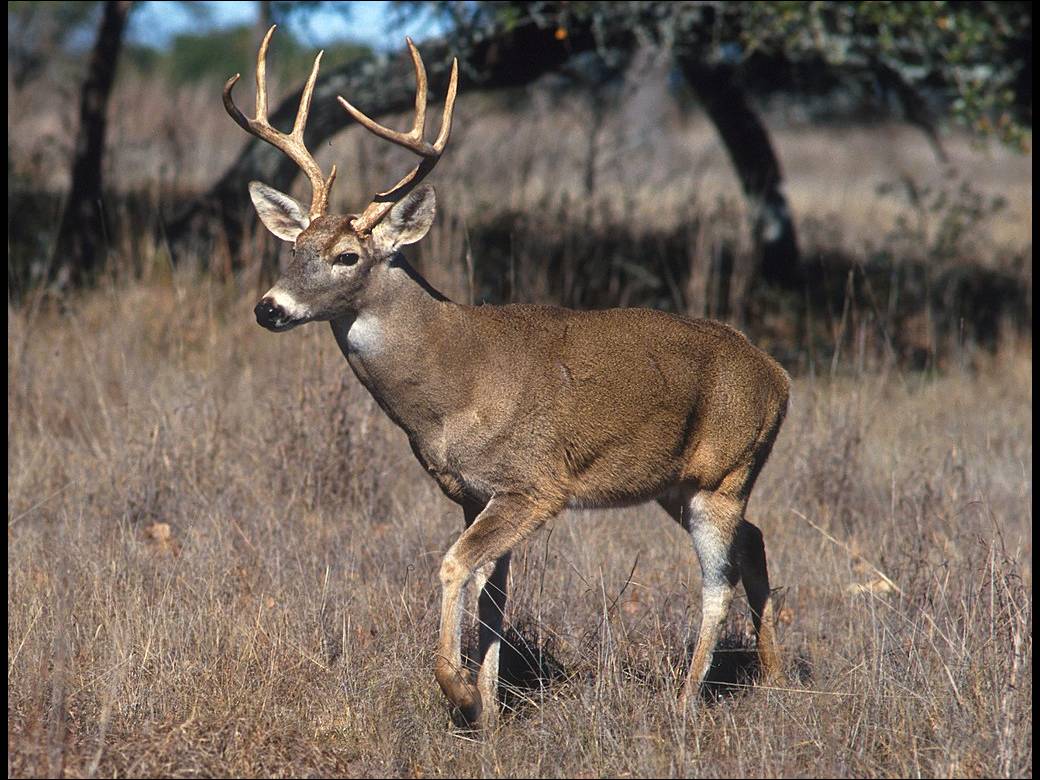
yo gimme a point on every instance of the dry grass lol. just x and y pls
(222, 561)
(222, 556)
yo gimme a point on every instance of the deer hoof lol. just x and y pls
(469, 710)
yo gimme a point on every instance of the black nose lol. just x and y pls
(268, 314)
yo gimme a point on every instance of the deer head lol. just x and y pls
(333, 256)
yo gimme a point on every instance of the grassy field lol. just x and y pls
(222, 560)
(222, 556)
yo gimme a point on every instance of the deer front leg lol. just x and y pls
(491, 614)
(447, 666)
(505, 521)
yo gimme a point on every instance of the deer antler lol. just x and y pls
(292, 144)
(413, 140)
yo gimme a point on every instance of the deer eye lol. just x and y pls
(347, 258)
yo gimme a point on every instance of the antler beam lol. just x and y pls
(291, 144)
(413, 140)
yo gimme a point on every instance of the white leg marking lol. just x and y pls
(487, 678)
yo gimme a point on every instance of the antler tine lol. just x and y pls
(449, 108)
(413, 140)
(261, 75)
(291, 144)
(419, 126)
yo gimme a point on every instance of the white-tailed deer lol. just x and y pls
(519, 412)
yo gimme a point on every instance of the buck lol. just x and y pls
(519, 412)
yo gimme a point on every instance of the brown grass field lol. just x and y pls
(222, 557)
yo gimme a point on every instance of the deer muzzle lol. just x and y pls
(274, 317)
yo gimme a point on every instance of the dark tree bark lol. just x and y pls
(757, 166)
(79, 248)
(511, 59)
(914, 106)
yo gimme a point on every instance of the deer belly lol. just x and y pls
(625, 467)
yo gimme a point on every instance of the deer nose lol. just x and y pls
(268, 314)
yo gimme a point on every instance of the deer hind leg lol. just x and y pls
(751, 557)
(712, 520)
(505, 521)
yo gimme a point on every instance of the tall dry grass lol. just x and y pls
(222, 561)
(222, 557)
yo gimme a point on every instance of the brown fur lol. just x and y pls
(521, 411)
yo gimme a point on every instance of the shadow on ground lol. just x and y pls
(735, 667)
(529, 668)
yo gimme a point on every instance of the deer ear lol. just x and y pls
(282, 215)
(408, 220)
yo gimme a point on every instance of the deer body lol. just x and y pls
(521, 411)
(595, 408)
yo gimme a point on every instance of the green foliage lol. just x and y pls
(974, 57)
(39, 32)
(218, 54)
(974, 52)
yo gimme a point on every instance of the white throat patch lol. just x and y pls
(365, 334)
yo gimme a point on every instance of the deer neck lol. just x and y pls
(402, 343)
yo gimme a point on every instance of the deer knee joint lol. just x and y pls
(452, 570)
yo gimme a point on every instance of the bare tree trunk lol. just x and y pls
(757, 166)
(79, 248)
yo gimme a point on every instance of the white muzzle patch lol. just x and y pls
(292, 307)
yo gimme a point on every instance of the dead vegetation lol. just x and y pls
(222, 560)
(222, 556)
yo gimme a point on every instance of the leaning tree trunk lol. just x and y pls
(79, 248)
(751, 152)
(509, 59)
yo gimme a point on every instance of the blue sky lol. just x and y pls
(156, 23)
